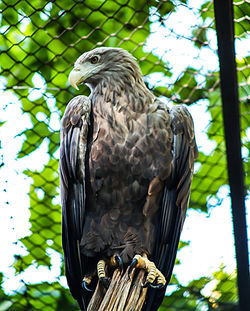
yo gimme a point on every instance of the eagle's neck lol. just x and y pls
(123, 92)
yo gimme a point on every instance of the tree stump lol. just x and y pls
(123, 294)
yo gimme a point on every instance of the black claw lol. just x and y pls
(85, 286)
(119, 262)
(146, 284)
(132, 265)
(105, 282)
(157, 286)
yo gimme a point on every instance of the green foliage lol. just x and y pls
(218, 293)
(241, 13)
(34, 138)
(200, 36)
(44, 296)
(187, 89)
(45, 218)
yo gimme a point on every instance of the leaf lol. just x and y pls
(166, 7)
(43, 296)
(200, 36)
(22, 262)
(54, 142)
(45, 218)
(186, 87)
(241, 14)
(34, 138)
(9, 15)
(207, 10)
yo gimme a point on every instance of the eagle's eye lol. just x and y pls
(94, 59)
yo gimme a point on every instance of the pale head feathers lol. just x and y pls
(105, 63)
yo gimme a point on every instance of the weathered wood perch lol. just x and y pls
(123, 294)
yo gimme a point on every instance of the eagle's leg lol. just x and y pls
(115, 261)
(154, 278)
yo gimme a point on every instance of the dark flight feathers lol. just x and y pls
(175, 199)
(74, 128)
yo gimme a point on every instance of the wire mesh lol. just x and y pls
(175, 45)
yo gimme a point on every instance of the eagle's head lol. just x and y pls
(104, 63)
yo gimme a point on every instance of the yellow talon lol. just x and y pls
(151, 269)
(160, 278)
(153, 273)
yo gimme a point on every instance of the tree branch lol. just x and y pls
(124, 293)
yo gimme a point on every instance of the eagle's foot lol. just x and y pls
(154, 278)
(116, 261)
(102, 274)
(85, 283)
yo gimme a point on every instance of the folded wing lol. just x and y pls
(175, 198)
(73, 148)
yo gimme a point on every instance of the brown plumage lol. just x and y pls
(125, 168)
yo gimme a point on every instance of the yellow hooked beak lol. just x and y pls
(80, 73)
(75, 77)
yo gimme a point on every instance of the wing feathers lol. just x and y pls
(74, 150)
(175, 199)
(74, 121)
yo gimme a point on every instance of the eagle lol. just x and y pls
(126, 166)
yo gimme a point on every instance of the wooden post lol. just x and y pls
(123, 294)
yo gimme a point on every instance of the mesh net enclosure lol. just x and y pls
(176, 47)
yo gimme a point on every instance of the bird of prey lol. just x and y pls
(126, 166)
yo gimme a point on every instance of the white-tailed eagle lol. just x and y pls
(126, 166)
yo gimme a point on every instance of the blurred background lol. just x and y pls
(175, 44)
